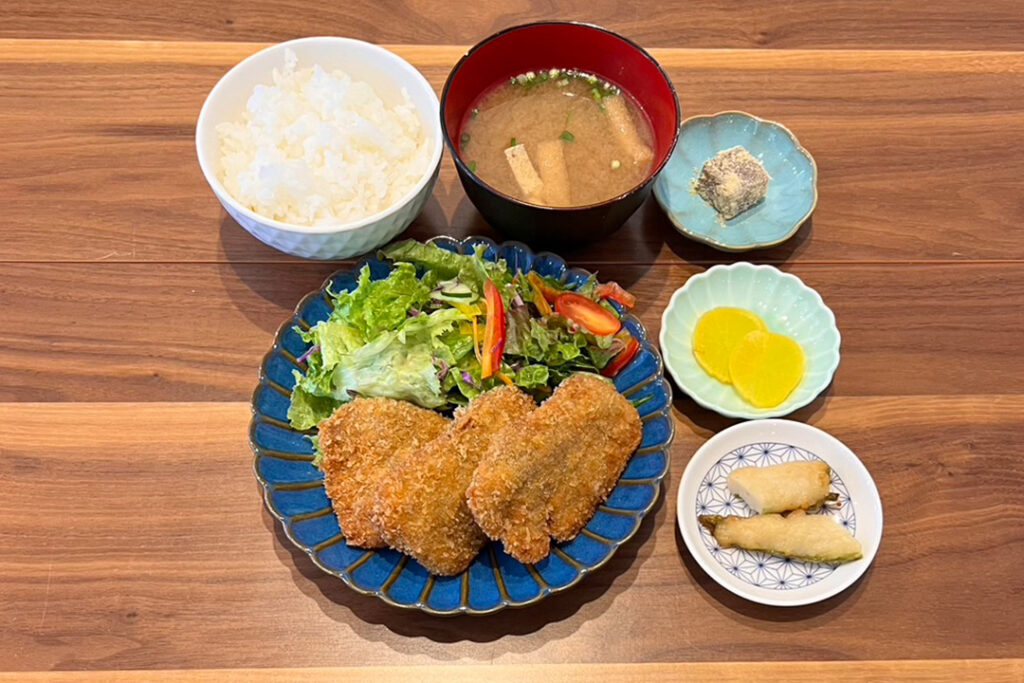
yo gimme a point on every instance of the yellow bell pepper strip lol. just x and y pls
(467, 310)
(547, 291)
(504, 378)
(494, 331)
(476, 343)
(587, 314)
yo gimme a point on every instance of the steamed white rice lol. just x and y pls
(318, 148)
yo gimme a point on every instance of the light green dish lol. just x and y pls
(786, 305)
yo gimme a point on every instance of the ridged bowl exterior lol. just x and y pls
(339, 244)
(294, 491)
(389, 75)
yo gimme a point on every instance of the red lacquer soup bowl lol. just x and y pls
(541, 46)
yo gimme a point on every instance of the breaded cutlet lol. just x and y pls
(546, 476)
(421, 502)
(357, 443)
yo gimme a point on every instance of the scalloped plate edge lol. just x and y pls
(784, 409)
(545, 590)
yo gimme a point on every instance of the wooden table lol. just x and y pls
(134, 314)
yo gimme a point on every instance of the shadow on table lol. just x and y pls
(706, 423)
(591, 597)
(734, 606)
(256, 275)
(658, 227)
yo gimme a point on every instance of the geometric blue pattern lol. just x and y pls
(760, 569)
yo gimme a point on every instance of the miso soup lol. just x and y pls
(557, 138)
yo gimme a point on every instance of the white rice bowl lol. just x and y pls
(318, 148)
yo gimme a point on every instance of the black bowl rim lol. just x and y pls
(464, 170)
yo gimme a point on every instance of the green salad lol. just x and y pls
(444, 327)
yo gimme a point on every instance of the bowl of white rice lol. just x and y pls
(323, 148)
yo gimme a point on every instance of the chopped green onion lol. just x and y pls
(472, 167)
(567, 136)
(512, 142)
(464, 138)
(553, 73)
(476, 113)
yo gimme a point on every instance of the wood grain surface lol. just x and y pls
(134, 544)
(134, 535)
(953, 670)
(197, 332)
(941, 24)
(913, 152)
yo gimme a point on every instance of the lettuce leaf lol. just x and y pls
(389, 368)
(532, 376)
(397, 338)
(376, 306)
(397, 364)
(471, 270)
(308, 410)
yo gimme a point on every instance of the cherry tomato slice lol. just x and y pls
(587, 314)
(622, 358)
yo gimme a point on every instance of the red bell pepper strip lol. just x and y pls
(622, 358)
(587, 314)
(615, 292)
(494, 332)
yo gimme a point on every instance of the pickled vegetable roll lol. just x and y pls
(781, 488)
(812, 538)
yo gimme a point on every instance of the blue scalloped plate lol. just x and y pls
(294, 491)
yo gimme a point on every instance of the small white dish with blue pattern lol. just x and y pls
(756, 576)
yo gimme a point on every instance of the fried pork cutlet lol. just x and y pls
(546, 476)
(421, 502)
(357, 443)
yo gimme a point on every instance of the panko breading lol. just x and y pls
(421, 502)
(546, 476)
(357, 443)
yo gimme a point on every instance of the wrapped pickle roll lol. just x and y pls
(781, 488)
(799, 536)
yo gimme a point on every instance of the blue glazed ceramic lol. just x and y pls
(792, 192)
(294, 491)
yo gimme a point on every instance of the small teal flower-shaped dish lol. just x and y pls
(786, 305)
(792, 192)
